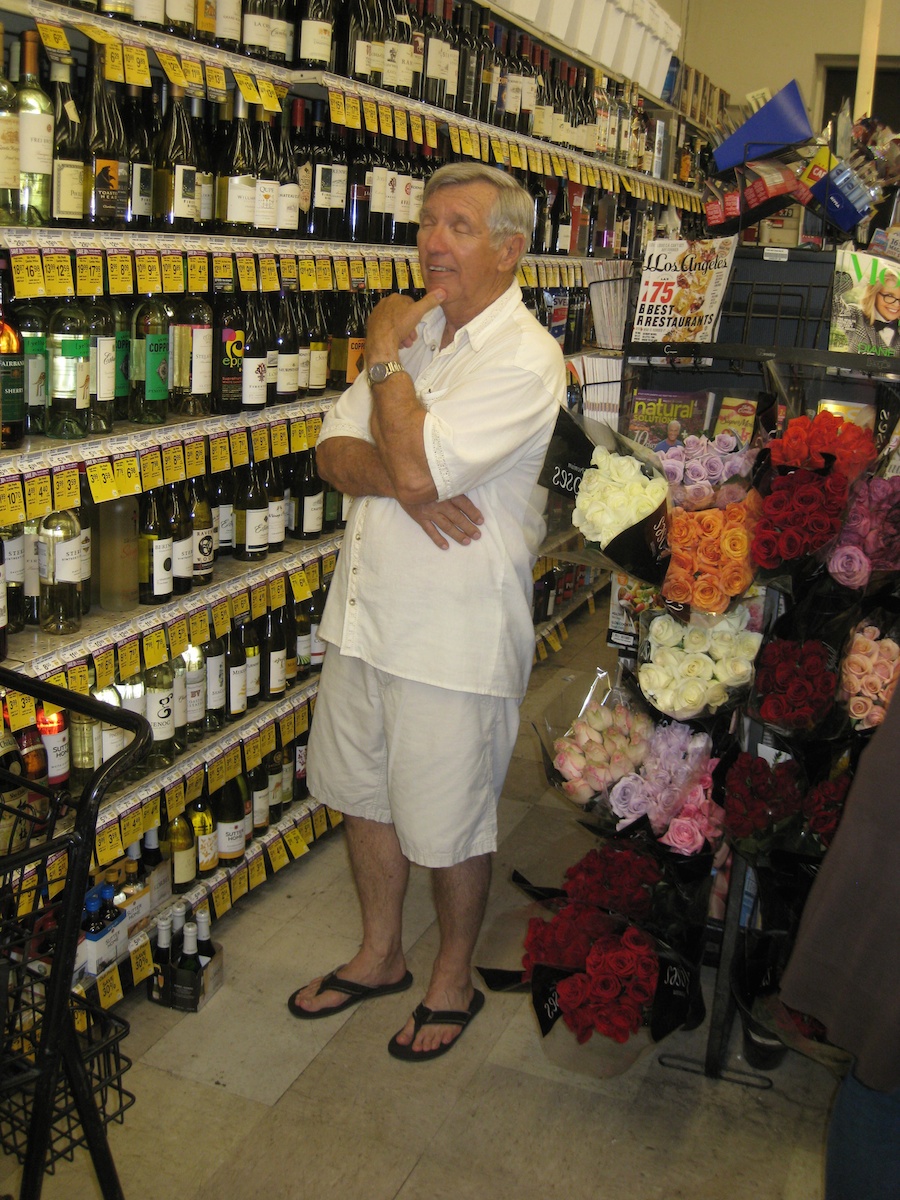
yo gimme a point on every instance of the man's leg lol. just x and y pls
(460, 897)
(381, 872)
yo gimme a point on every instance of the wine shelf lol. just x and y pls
(553, 631)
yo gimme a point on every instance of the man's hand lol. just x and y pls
(457, 518)
(393, 322)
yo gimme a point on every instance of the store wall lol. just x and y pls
(766, 43)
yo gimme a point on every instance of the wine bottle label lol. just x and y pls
(255, 522)
(57, 747)
(101, 188)
(288, 367)
(231, 838)
(68, 189)
(103, 369)
(206, 195)
(390, 74)
(287, 779)
(215, 681)
(202, 543)
(305, 183)
(528, 99)
(339, 186)
(180, 12)
(70, 368)
(183, 200)
(85, 543)
(184, 866)
(9, 152)
(266, 204)
(416, 192)
(377, 189)
(276, 522)
(318, 367)
(275, 789)
(240, 207)
(36, 143)
(150, 12)
(190, 359)
(12, 387)
(14, 552)
(356, 358)
(315, 42)
(112, 740)
(405, 62)
(276, 672)
(34, 347)
(403, 198)
(140, 200)
(288, 218)
(261, 806)
(256, 29)
(272, 368)
(253, 670)
(160, 713)
(376, 58)
(563, 238)
(195, 687)
(253, 382)
(303, 368)
(228, 20)
(161, 566)
(434, 59)
(59, 562)
(183, 558)
(322, 186)
(313, 507)
(390, 194)
(208, 851)
(4, 613)
(304, 643)
(452, 72)
(237, 689)
(32, 565)
(301, 760)
(280, 38)
(317, 646)
(226, 525)
(362, 58)
(179, 699)
(418, 51)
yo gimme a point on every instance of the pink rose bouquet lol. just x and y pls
(870, 668)
(604, 744)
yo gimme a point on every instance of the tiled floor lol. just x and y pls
(242, 1101)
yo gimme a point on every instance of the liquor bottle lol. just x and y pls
(214, 659)
(227, 34)
(180, 18)
(201, 518)
(176, 206)
(318, 344)
(314, 51)
(434, 88)
(206, 835)
(155, 548)
(104, 169)
(302, 625)
(195, 683)
(272, 649)
(246, 633)
(32, 584)
(139, 202)
(222, 498)
(159, 696)
(287, 221)
(67, 205)
(189, 958)
(191, 356)
(228, 806)
(302, 162)
(13, 540)
(288, 344)
(205, 948)
(229, 327)
(69, 354)
(236, 175)
(31, 319)
(102, 365)
(281, 33)
(251, 515)
(118, 533)
(9, 148)
(59, 572)
(54, 730)
(265, 219)
(258, 782)
(312, 490)
(273, 482)
(149, 368)
(182, 539)
(319, 216)
(235, 676)
(256, 28)
(86, 514)
(93, 922)
(35, 138)
(270, 334)
(178, 840)
(301, 742)
(12, 366)
(316, 609)
(560, 220)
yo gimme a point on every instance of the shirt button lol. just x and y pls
(352, 601)
(358, 537)
(356, 570)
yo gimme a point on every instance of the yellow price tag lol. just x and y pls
(415, 125)
(288, 266)
(353, 112)
(259, 436)
(28, 274)
(312, 574)
(12, 501)
(248, 87)
(132, 825)
(172, 272)
(386, 272)
(401, 131)
(215, 772)
(223, 268)
(240, 450)
(20, 710)
(296, 843)
(324, 279)
(465, 142)
(172, 68)
(386, 120)
(320, 821)
(286, 724)
(155, 649)
(119, 274)
(239, 884)
(114, 67)
(199, 626)
(276, 592)
(252, 755)
(277, 854)
(78, 679)
(336, 108)
(141, 954)
(88, 273)
(305, 826)
(65, 488)
(151, 469)
(108, 844)
(240, 603)
(454, 138)
(431, 133)
(173, 463)
(109, 987)
(267, 739)
(246, 269)
(146, 269)
(102, 480)
(299, 585)
(38, 494)
(232, 762)
(258, 600)
(301, 718)
(127, 474)
(220, 618)
(53, 37)
(58, 279)
(129, 658)
(307, 273)
(279, 436)
(256, 870)
(268, 274)
(150, 812)
(298, 435)
(193, 786)
(335, 818)
(178, 636)
(553, 640)
(221, 898)
(219, 456)
(194, 457)
(193, 73)
(418, 281)
(216, 87)
(373, 274)
(197, 273)
(137, 65)
(370, 113)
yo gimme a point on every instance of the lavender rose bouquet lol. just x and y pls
(870, 538)
(707, 473)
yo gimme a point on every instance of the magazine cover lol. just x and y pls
(661, 420)
(681, 291)
(737, 416)
(866, 304)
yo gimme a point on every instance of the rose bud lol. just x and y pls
(598, 717)
(598, 777)
(583, 733)
(570, 763)
(578, 791)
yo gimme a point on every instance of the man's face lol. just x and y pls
(456, 252)
(673, 432)
(887, 302)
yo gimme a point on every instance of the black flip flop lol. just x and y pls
(433, 1016)
(354, 992)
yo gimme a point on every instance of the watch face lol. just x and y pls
(378, 372)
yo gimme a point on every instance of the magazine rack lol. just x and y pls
(60, 1065)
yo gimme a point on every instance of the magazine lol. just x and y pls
(738, 417)
(859, 412)
(653, 417)
(866, 305)
(682, 287)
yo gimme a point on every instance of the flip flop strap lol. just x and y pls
(334, 983)
(436, 1016)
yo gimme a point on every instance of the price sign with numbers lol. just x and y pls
(199, 626)
(150, 812)
(108, 844)
(219, 456)
(221, 898)
(109, 987)
(268, 273)
(127, 474)
(20, 709)
(259, 435)
(279, 435)
(239, 884)
(221, 620)
(267, 738)
(324, 282)
(65, 487)
(232, 762)
(305, 826)
(194, 457)
(173, 463)
(102, 480)
(147, 270)
(58, 279)
(151, 469)
(240, 449)
(336, 108)
(175, 799)
(131, 822)
(296, 843)
(38, 494)
(197, 272)
(155, 649)
(172, 272)
(256, 869)
(28, 273)
(307, 274)
(431, 132)
(252, 753)
(320, 821)
(78, 679)
(12, 500)
(277, 853)
(137, 65)
(287, 727)
(172, 68)
(258, 601)
(129, 658)
(246, 269)
(240, 603)
(141, 954)
(216, 87)
(88, 273)
(298, 435)
(276, 592)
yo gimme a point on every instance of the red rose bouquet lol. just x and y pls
(806, 443)
(801, 515)
(618, 876)
(614, 992)
(566, 939)
(823, 805)
(760, 799)
(794, 689)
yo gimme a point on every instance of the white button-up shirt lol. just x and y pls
(458, 618)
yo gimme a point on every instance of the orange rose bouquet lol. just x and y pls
(810, 442)
(710, 560)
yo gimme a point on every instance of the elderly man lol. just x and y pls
(672, 438)
(428, 617)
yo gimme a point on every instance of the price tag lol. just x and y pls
(109, 987)
(267, 738)
(108, 844)
(335, 818)
(401, 132)
(353, 112)
(485, 148)
(239, 883)
(12, 501)
(248, 87)
(373, 274)
(298, 436)
(276, 592)
(172, 272)
(573, 170)
(58, 279)
(232, 762)
(28, 274)
(151, 468)
(175, 799)
(137, 65)
(553, 640)
(193, 785)
(515, 159)
(246, 269)
(132, 825)
(305, 826)
(197, 273)
(401, 269)
(240, 603)
(320, 821)
(146, 268)
(286, 724)
(194, 457)
(219, 456)
(216, 88)
(215, 771)
(257, 601)
(155, 649)
(465, 142)
(114, 67)
(78, 679)
(104, 666)
(220, 618)
(415, 125)
(431, 133)
(268, 274)
(386, 272)
(150, 812)
(357, 274)
(120, 277)
(173, 463)
(20, 709)
(141, 953)
(65, 487)
(336, 108)
(454, 138)
(418, 281)
(256, 870)
(324, 277)
(288, 265)
(299, 585)
(38, 495)
(127, 474)
(279, 436)
(199, 627)
(223, 268)
(240, 451)
(259, 435)
(129, 658)
(370, 113)
(221, 898)
(307, 271)
(386, 120)
(296, 843)
(172, 68)
(193, 73)
(252, 756)
(277, 853)
(312, 575)
(54, 38)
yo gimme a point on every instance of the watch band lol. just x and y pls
(379, 372)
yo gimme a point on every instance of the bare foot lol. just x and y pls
(358, 970)
(430, 1037)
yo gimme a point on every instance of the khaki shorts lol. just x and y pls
(428, 760)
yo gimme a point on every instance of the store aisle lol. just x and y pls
(243, 1101)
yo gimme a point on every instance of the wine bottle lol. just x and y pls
(86, 513)
(286, 752)
(69, 354)
(195, 683)
(451, 58)
(228, 346)
(319, 216)
(121, 316)
(303, 342)
(236, 175)
(287, 616)
(159, 697)
(301, 742)
(235, 676)
(314, 51)
(32, 584)
(222, 498)
(112, 737)
(288, 351)
(246, 632)
(281, 33)
(316, 609)
(302, 623)
(13, 539)
(560, 220)
(182, 853)
(4, 610)
(214, 658)
(118, 532)
(149, 368)
(176, 206)
(182, 539)
(318, 345)
(272, 649)
(67, 205)
(434, 89)
(255, 355)
(139, 202)
(201, 518)
(191, 356)
(256, 28)
(12, 366)
(155, 548)
(312, 491)
(287, 220)
(206, 834)
(59, 572)
(228, 25)
(273, 483)
(265, 218)
(102, 366)
(35, 138)
(31, 318)
(258, 782)
(105, 174)
(189, 959)
(398, 49)
(205, 949)
(9, 148)
(228, 805)
(337, 221)
(180, 18)
(251, 515)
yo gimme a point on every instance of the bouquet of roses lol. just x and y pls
(869, 671)
(812, 442)
(760, 801)
(800, 516)
(795, 688)
(697, 470)
(616, 493)
(691, 669)
(606, 742)
(710, 554)
(870, 536)
(619, 876)
(823, 805)
(614, 992)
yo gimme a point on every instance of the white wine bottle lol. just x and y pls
(202, 541)
(35, 138)
(206, 834)
(251, 515)
(214, 656)
(179, 837)
(159, 699)
(205, 948)
(59, 572)
(195, 681)
(155, 549)
(179, 703)
(182, 539)
(228, 805)
(69, 354)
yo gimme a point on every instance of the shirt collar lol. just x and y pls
(478, 330)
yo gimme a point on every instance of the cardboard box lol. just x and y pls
(187, 991)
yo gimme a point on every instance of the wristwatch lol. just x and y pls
(380, 371)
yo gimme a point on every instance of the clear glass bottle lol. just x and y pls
(69, 354)
(60, 569)
(206, 834)
(35, 138)
(195, 680)
(9, 148)
(149, 370)
(155, 548)
(159, 697)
